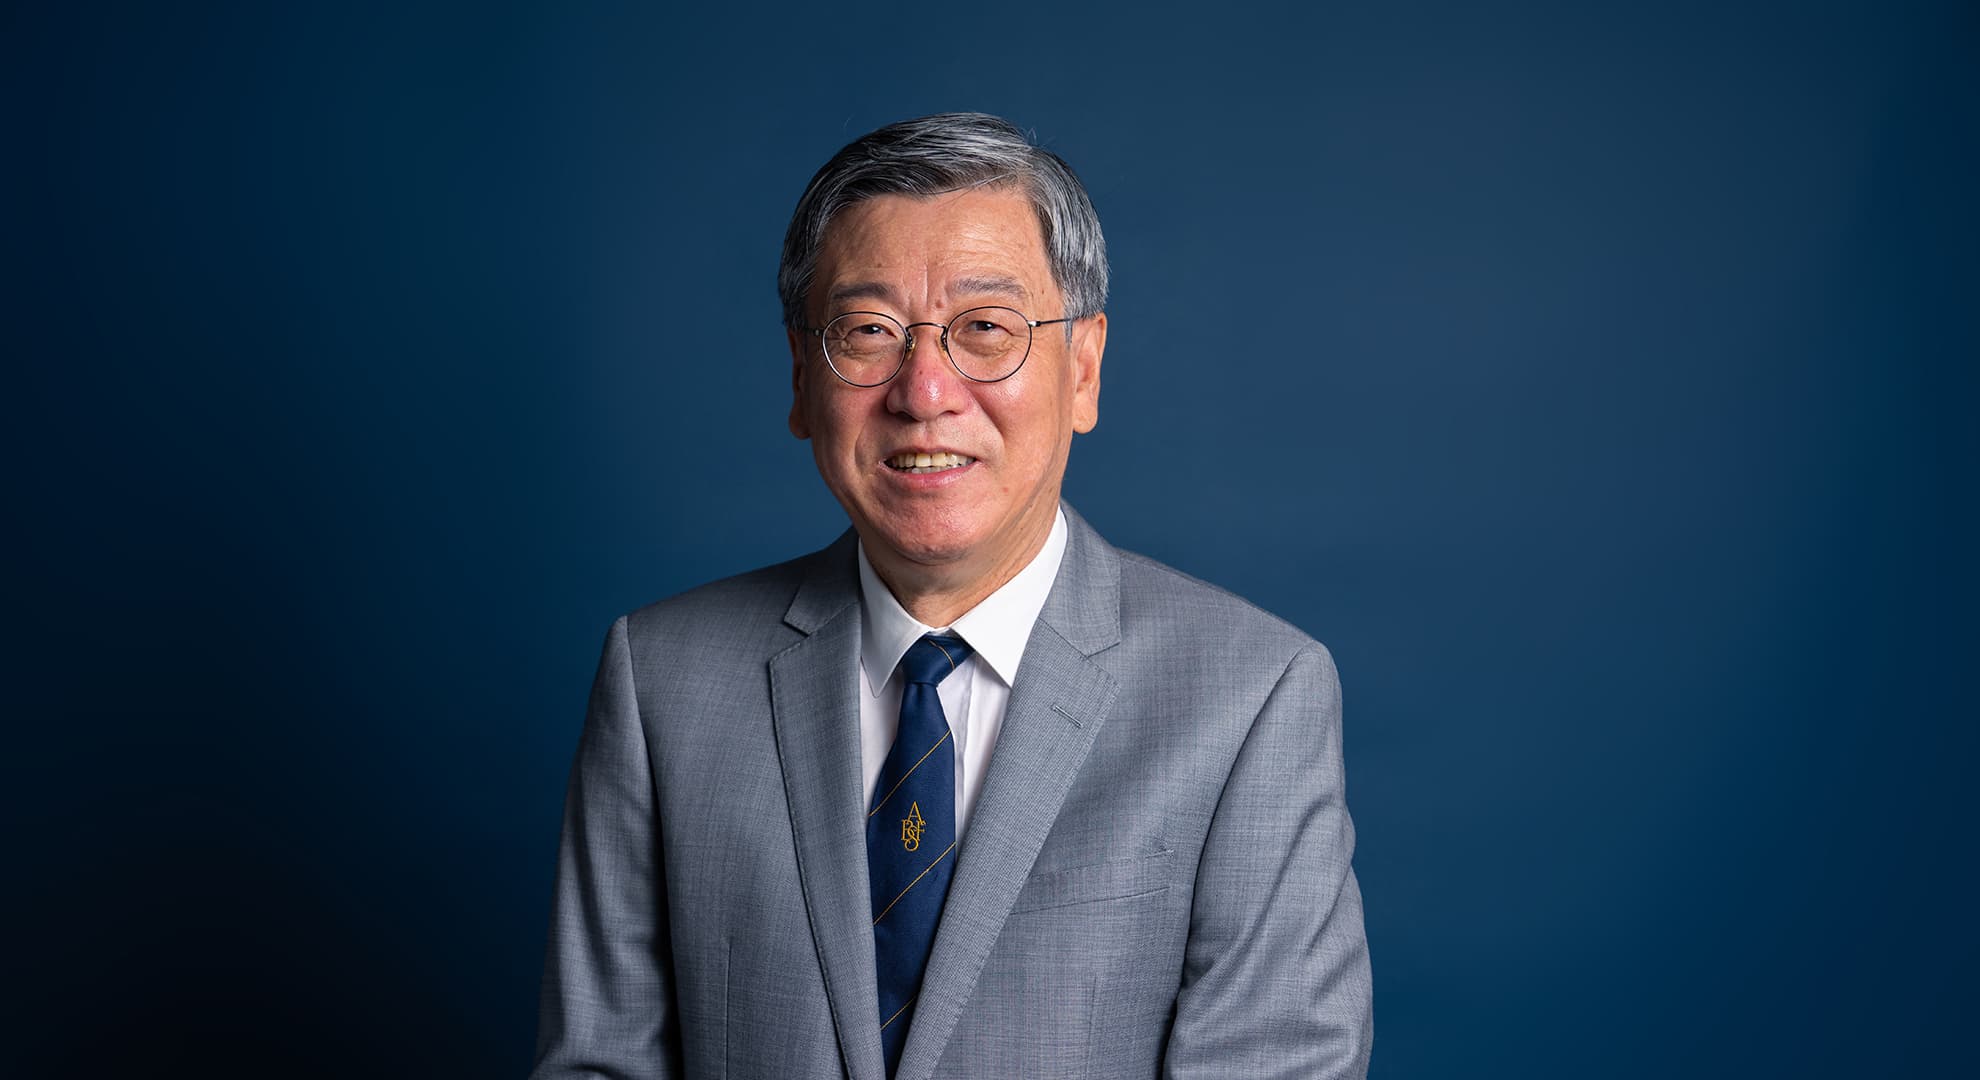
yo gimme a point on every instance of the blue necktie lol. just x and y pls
(911, 837)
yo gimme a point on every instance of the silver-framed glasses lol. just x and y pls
(983, 344)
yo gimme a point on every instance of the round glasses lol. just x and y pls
(986, 344)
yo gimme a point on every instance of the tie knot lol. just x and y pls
(931, 659)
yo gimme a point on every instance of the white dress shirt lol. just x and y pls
(974, 697)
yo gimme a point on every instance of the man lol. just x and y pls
(969, 793)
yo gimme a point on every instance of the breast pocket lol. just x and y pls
(1092, 883)
(1096, 938)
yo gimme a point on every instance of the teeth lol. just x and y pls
(926, 463)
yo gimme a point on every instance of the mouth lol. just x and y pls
(909, 461)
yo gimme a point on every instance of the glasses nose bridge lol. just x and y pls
(907, 332)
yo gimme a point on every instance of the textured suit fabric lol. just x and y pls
(1156, 881)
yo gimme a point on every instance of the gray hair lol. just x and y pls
(942, 153)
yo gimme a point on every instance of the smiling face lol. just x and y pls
(966, 522)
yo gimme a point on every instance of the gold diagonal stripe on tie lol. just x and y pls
(905, 775)
(897, 1014)
(945, 654)
(916, 881)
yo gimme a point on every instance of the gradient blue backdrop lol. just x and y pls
(1597, 383)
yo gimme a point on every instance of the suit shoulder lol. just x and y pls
(1183, 606)
(756, 598)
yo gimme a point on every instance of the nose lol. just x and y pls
(927, 385)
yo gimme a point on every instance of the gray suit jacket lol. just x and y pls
(1155, 881)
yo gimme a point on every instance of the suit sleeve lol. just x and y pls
(1276, 981)
(608, 1007)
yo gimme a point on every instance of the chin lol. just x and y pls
(926, 550)
(924, 542)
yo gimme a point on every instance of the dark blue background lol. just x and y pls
(1598, 384)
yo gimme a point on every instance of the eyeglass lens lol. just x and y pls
(867, 348)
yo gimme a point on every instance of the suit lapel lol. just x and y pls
(813, 690)
(1058, 702)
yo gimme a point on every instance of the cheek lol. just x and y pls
(838, 430)
(1036, 420)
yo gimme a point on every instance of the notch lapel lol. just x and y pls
(1058, 702)
(814, 687)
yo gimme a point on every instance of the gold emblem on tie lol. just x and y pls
(911, 827)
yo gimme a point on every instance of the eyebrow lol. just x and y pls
(1007, 288)
(858, 290)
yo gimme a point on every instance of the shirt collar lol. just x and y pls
(997, 628)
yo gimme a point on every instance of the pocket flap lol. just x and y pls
(1115, 879)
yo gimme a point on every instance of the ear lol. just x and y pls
(1089, 343)
(800, 426)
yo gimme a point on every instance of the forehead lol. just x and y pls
(907, 248)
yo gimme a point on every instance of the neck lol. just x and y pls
(939, 595)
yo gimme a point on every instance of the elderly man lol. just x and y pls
(969, 793)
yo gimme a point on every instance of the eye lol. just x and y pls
(986, 324)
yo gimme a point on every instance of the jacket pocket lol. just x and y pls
(1114, 879)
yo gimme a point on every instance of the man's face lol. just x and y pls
(927, 260)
